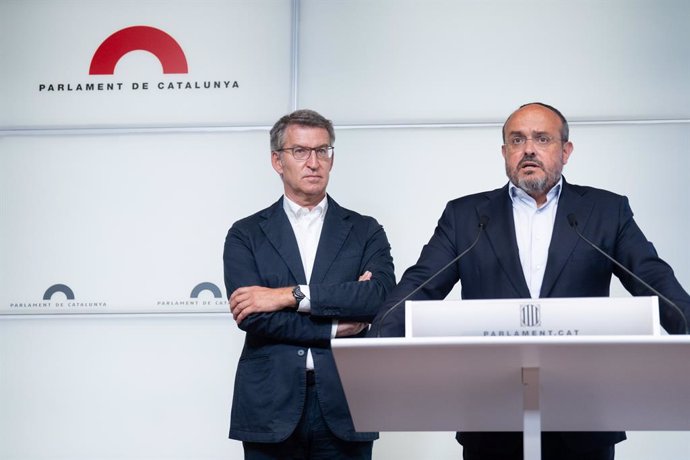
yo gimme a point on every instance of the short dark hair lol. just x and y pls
(565, 130)
(303, 117)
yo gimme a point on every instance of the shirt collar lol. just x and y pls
(517, 194)
(297, 211)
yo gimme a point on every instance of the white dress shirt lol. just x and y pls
(533, 229)
(307, 225)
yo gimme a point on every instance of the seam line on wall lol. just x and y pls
(294, 52)
(244, 128)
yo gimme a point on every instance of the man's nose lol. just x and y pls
(530, 146)
(312, 161)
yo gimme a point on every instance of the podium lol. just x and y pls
(527, 383)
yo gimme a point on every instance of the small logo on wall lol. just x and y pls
(58, 298)
(210, 287)
(204, 296)
(530, 315)
(58, 288)
(161, 45)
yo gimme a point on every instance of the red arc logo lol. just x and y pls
(144, 38)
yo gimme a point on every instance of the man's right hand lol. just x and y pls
(258, 299)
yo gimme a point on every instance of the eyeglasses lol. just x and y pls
(515, 142)
(302, 153)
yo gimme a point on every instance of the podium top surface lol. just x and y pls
(601, 383)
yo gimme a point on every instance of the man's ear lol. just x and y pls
(277, 162)
(567, 150)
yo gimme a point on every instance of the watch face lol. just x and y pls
(297, 294)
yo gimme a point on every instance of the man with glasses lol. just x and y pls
(529, 250)
(299, 273)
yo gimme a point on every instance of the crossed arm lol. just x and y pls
(258, 299)
(260, 293)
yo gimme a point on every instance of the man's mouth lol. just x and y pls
(530, 164)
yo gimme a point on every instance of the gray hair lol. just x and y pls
(304, 117)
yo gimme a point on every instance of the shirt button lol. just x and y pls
(300, 353)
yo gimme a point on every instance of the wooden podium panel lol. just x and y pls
(598, 383)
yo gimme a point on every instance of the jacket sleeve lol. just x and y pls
(439, 251)
(358, 300)
(634, 251)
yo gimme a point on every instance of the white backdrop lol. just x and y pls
(125, 197)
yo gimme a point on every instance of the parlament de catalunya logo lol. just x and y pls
(139, 38)
(204, 296)
(51, 304)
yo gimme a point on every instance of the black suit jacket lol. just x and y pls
(574, 269)
(270, 384)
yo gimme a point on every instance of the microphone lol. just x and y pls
(483, 220)
(572, 220)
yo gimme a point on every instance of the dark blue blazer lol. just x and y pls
(270, 384)
(574, 269)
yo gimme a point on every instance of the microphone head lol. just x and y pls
(572, 220)
(483, 220)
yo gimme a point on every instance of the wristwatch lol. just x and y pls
(297, 294)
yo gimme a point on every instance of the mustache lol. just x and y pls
(531, 160)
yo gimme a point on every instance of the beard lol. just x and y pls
(534, 184)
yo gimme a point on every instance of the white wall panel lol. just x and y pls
(133, 222)
(145, 388)
(86, 210)
(401, 61)
(53, 42)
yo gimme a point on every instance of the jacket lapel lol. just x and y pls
(279, 233)
(564, 238)
(500, 231)
(335, 230)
